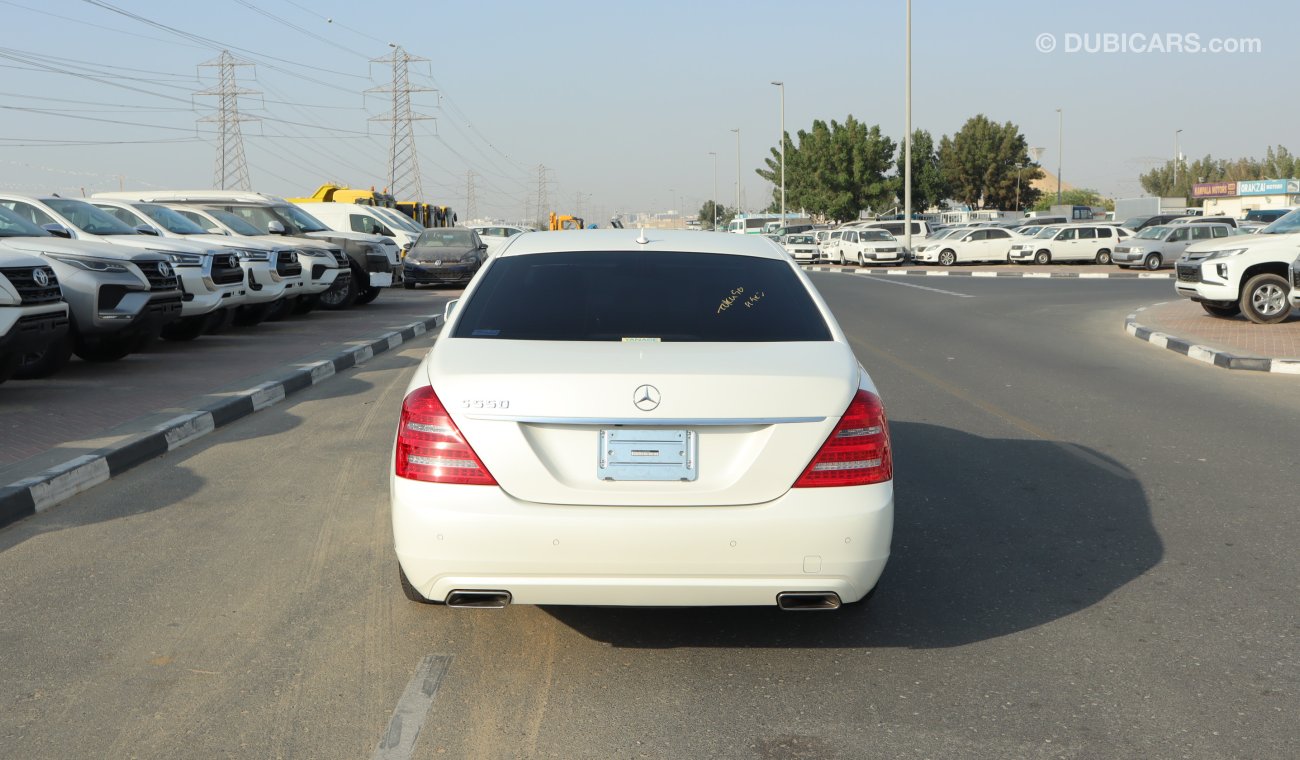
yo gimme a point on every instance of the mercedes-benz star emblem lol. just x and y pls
(164, 269)
(42, 279)
(646, 398)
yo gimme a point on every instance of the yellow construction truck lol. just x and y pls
(566, 222)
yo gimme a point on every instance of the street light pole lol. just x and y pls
(907, 139)
(737, 131)
(715, 190)
(782, 86)
(1176, 157)
(1060, 146)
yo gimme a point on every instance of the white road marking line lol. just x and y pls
(922, 287)
(398, 742)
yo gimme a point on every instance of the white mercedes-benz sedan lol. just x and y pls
(641, 418)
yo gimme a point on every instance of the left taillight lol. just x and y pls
(431, 448)
(857, 452)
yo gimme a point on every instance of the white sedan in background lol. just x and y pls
(968, 245)
(801, 247)
(644, 418)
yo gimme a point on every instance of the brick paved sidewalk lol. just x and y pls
(84, 404)
(1186, 321)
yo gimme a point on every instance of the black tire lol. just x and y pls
(222, 320)
(408, 590)
(342, 295)
(109, 348)
(1225, 312)
(1103, 256)
(1264, 299)
(305, 304)
(280, 309)
(252, 314)
(9, 365)
(1152, 262)
(40, 364)
(186, 328)
(408, 285)
(1043, 257)
(947, 257)
(368, 293)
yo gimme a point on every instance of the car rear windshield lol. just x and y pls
(641, 296)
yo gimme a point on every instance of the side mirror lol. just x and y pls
(144, 229)
(482, 246)
(448, 309)
(57, 230)
(274, 228)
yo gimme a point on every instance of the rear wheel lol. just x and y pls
(947, 257)
(44, 363)
(1264, 299)
(1043, 257)
(1221, 311)
(1103, 256)
(1152, 261)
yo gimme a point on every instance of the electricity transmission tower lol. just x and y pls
(471, 198)
(231, 169)
(542, 202)
(403, 164)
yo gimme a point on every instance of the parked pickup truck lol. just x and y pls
(373, 258)
(1243, 274)
(33, 316)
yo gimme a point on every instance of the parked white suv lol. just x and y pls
(1246, 274)
(1069, 242)
(870, 245)
(33, 316)
(1161, 245)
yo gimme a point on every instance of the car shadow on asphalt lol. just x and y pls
(991, 537)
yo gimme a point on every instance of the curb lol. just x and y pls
(38, 493)
(1205, 353)
(1031, 275)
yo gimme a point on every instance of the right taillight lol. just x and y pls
(431, 448)
(857, 452)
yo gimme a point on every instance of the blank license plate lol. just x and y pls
(629, 454)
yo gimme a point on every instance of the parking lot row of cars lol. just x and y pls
(102, 277)
(1224, 266)
(1101, 243)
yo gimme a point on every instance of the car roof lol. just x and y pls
(606, 240)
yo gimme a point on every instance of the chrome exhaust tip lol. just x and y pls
(478, 599)
(808, 600)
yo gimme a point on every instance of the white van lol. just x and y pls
(353, 217)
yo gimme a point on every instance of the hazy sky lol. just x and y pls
(622, 102)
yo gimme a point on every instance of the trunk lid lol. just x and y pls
(534, 412)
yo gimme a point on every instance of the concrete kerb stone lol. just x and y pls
(998, 273)
(59, 483)
(1206, 354)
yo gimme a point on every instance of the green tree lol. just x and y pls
(929, 186)
(1077, 197)
(834, 170)
(982, 161)
(1278, 163)
(725, 215)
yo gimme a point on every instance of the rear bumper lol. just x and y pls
(477, 537)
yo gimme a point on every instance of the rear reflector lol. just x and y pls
(857, 452)
(431, 448)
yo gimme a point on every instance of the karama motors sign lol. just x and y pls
(1246, 187)
(1214, 189)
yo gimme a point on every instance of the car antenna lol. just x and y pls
(642, 240)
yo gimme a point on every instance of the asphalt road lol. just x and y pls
(1095, 557)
